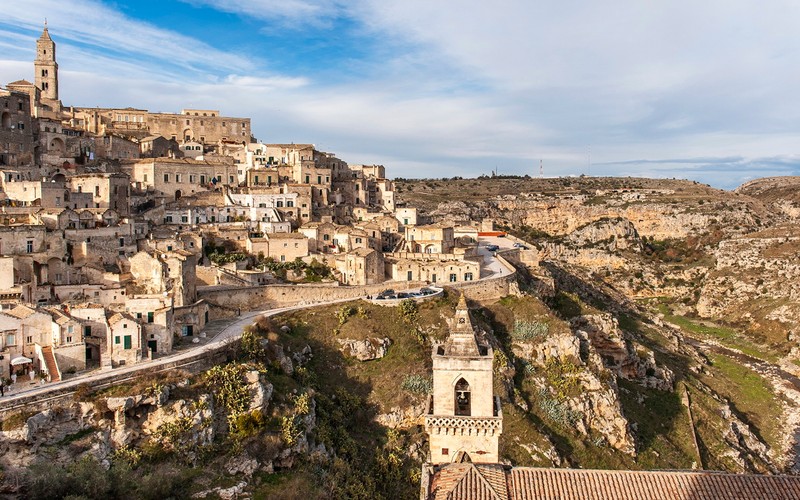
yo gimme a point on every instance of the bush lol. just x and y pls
(408, 310)
(417, 384)
(529, 330)
(557, 411)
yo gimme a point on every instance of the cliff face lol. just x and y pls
(724, 254)
(700, 266)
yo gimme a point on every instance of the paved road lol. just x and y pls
(492, 267)
(221, 331)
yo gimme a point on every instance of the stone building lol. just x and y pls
(447, 268)
(464, 419)
(204, 126)
(362, 266)
(173, 178)
(108, 190)
(16, 129)
(156, 146)
(126, 339)
(434, 238)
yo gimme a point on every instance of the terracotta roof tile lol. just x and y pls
(568, 484)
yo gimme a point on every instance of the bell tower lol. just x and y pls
(46, 67)
(464, 421)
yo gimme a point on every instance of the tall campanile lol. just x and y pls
(464, 421)
(46, 66)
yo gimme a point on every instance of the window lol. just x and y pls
(150, 317)
(97, 190)
(87, 331)
(308, 179)
(29, 246)
(462, 398)
(358, 240)
(467, 276)
(326, 237)
(410, 276)
(453, 277)
(11, 339)
(279, 204)
(433, 278)
(122, 242)
(69, 339)
(290, 203)
(168, 218)
(184, 218)
(29, 339)
(283, 258)
(127, 340)
(177, 177)
(166, 177)
(445, 451)
(319, 179)
(145, 177)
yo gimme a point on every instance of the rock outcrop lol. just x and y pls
(365, 350)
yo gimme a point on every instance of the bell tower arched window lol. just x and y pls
(463, 398)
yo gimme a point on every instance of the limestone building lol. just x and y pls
(465, 420)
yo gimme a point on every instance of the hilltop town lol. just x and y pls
(187, 311)
(115, 221)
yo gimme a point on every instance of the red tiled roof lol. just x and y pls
(568, 484)
(491, 481)
(471, 482)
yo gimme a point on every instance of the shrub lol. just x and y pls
(529, 330)
(557, 411)
(408, 310)
(344, 313)
(417, 384)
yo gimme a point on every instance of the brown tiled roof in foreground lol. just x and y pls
(485, 481)
(568, 484)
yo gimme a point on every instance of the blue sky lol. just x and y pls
(699, 90)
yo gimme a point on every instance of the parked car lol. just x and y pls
(492, 248)
(520, 246)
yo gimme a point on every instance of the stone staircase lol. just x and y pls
(50, 362)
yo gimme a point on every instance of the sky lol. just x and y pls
(705, 91)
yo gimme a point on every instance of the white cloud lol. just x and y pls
(295, 13)
(95, 27)
(465, 86)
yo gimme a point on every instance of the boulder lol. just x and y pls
(365, 350)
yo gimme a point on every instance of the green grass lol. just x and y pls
(728, 337)
(750, 394)
(663, 435)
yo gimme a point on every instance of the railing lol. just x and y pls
(485, 424)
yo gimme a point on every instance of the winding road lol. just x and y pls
(219, 332)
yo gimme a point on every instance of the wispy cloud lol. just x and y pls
(671, 89)
(96, 28)
(298, 14)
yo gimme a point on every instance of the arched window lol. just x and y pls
(463, 398)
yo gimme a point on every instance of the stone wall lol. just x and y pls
(261, 297)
